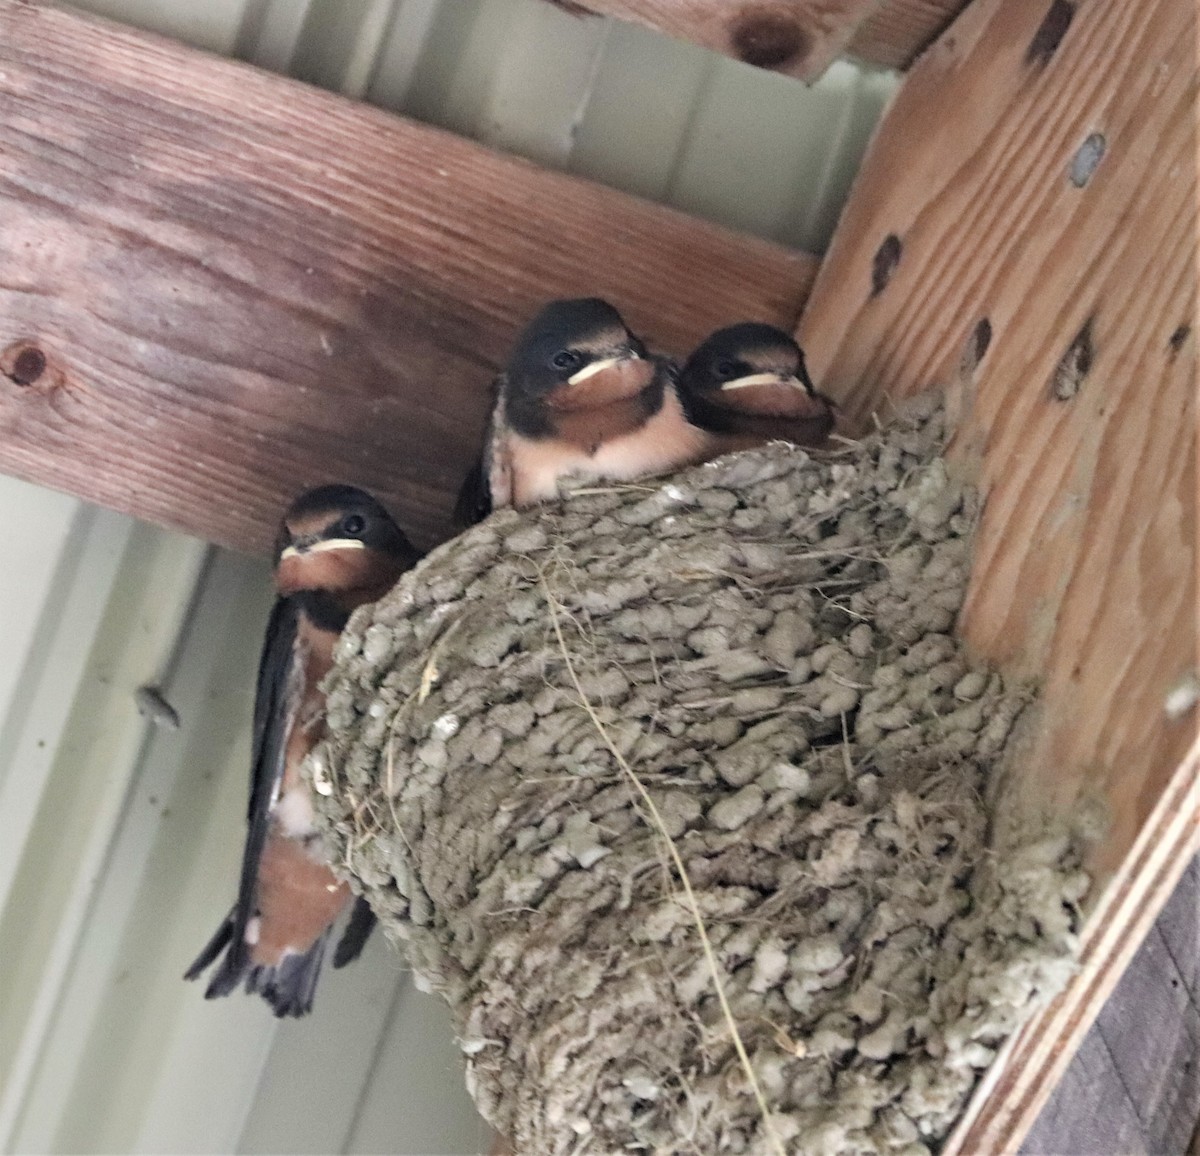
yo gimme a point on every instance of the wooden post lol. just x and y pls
(218, 287)
(1023, 230)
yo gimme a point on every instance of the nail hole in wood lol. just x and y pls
(1075, 365)
(976, 345)
(1087, 159)
(887, 257)
(1050, 33)
(768, 37)
(23, 363)
(981, 339)
(1176, 340)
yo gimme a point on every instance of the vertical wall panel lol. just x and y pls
(406, 1079)
(211, 24)
(94, 755)
(644, 96)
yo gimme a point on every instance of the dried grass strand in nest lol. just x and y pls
(732, 697)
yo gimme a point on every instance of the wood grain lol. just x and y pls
(218, 286)
(1023, 232)
(799, 38)
(1134, 1084)
(1015, 1090)
(1090, 1110)
(898, 31)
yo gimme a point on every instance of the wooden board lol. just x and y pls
(898, 31)
(796, 37)
(1134, 1084)
(1016, 1089)
(799, 38)
(1023, 231)
(218, 286)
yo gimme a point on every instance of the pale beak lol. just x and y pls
(323, 545)
(599, 367)
(765, 379)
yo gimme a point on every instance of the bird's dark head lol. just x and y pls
(339, 538)
(745, 356)
(754, 369)
(578, 354)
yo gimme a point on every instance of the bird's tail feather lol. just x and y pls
(289, 986)
(212, 948)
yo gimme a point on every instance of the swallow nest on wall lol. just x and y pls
(767, 642)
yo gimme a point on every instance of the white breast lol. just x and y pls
(292, 813)
(667, 441)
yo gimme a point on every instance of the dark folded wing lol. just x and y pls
(478, 496)
(272, 711)
(474, 501)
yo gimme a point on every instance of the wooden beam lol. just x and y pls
(218, 286)
(1023, 231)
(799, 38)
(898, 31)
(1134, 1084)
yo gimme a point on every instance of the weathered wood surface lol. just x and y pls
(800, 38)
(1134, 1085)
(796, 37)
(968, 256)
(1023, 231)
(218, 286)
(1016, 1088)
(898, 31)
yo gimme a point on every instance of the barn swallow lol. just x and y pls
(579, 397)
(748, 385)
(337, 549)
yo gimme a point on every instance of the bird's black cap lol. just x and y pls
(737, 350)
(564, 337)
(555, 350)
(339, 511)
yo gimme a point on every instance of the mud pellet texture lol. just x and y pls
(767, 643)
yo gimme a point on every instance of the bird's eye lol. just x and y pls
(565, 359)
(725, 368)
(353, 525)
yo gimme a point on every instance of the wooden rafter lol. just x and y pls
(800, 38)
(218, 286)
(896, 32)
(1023, 231)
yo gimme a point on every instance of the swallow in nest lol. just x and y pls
(337, 549)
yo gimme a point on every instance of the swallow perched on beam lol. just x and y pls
(748, 385)
(337, 549)
(579, 397)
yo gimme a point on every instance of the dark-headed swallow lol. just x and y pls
(337, 549)
(748, 385)
(579, 397)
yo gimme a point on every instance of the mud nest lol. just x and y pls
(765, 643)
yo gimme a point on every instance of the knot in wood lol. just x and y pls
(23, 363)
(768, 37)
(887, 257)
